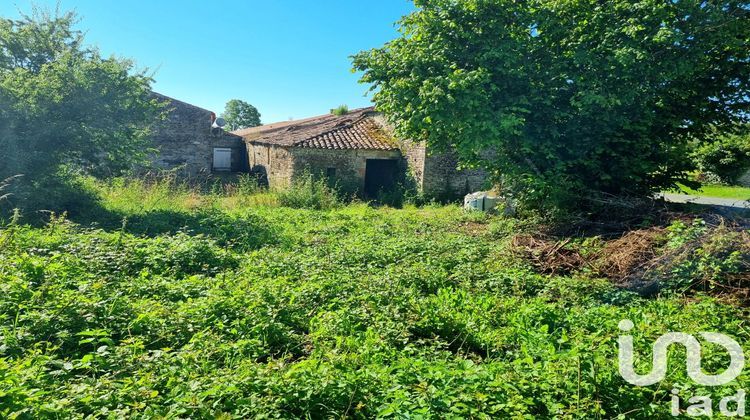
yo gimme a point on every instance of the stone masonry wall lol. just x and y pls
(350, 165)
(274, 165)
(442, 179)
(414, 158)
(185, 140)
(277, 166)
(437, 176)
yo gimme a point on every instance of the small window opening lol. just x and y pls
(222, 159)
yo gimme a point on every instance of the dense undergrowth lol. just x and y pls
(181, 304)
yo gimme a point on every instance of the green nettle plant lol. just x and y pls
(268, 311)
(566, 98)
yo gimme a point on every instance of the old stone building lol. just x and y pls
(188, 141)
(357, 151)
(436, 174)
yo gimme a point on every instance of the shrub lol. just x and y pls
(247, 185)
(340, 110)
(66, 191)
(107, 102)
(400, 195)
(706, 257)
(310, 193)
(727, 158)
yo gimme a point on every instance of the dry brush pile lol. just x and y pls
(710, 253)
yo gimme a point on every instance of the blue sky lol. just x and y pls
(289, 58)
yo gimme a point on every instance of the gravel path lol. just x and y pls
(709, 201)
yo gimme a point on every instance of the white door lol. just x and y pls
(222, 159)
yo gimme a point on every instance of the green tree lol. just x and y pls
(566, 98)
(61, 103)
(240, 114)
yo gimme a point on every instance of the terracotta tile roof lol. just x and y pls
(355, 130)
(364, 133)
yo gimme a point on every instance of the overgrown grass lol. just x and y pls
(309, 192)
(136, 196)
(204, 306)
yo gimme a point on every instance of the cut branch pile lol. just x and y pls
(547, 255)
(716, 258)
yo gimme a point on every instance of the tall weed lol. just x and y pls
(5, 187)
(309, 192)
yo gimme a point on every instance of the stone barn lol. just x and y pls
(188, 142)
(357, 151)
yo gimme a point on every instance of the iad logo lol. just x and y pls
(693, 347)
(702, 405)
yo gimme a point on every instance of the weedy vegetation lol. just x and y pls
(154, 298)
(236, 302)
(340, 110)
(5, 187)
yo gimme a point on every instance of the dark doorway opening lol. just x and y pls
(380, 174)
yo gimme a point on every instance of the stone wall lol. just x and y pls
(349, 165)
(442, 179)
(277, 166)
(273, 165)
(414, 158)
(185, 140)
(437, 174)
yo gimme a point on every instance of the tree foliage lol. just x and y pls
(240, 114)
(61, 103)
(727, 157)
(562, 97)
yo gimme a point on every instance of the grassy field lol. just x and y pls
(231, 304)
(720, 191)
